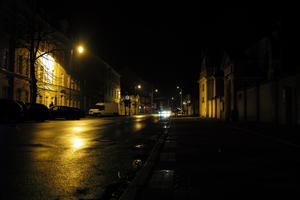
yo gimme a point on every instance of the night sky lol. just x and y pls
(162, 42)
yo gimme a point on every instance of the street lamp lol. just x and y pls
(180, 96)
(79, 49)
(152, 98)
(137, 98)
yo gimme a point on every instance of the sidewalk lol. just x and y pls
(203, 159)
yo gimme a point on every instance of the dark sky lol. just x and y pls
(162, 42)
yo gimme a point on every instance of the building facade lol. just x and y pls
(62, 76)
(258, 83)
(54, 82)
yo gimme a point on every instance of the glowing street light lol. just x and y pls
(180, 96)
(139, 86)
(80, 49)
(152, 98)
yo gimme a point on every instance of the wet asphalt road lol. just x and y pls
(72, 159)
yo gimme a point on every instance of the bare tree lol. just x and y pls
(38, 37)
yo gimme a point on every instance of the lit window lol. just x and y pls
(47, 62)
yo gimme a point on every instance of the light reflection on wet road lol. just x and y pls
(71, 159)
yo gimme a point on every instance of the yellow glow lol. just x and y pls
(77, 129)
(139, 86)
(80, 49)
(139, 116)
(156, 90)
(47, 63)
(77, 142)
(138, 126)
(139, 146)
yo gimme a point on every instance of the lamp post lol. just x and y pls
(180, 89)
(79, 49)
(152, 98)
(139, 87)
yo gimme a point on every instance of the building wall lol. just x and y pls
(203, 97)
(252, 104)
(267, 102)
(53, 82)
(282, 99)
(240, 104)
(288, 100)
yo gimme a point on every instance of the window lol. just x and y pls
(62, 79)
(19, 94)
(240, 96)
(27, 67)
(26, 96)
(4, 58)
(1, 57)
(100, 107)
(20, 64)
(203, 87)
(5, 92)
(203, 100)
(41, 73)
(46, 101)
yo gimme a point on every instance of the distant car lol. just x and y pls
(164, 114)
(37, 112)
(10, 111)
(65, 112)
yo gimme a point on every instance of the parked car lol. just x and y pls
(10, 111)
(64, 112)
(81, 112)
(37, 112)
(104, 109)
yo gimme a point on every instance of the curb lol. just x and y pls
(143, 174)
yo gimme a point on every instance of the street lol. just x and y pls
(91, 158)
(204, 159)
(72, 159)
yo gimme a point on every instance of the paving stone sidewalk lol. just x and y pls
(202, 159)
